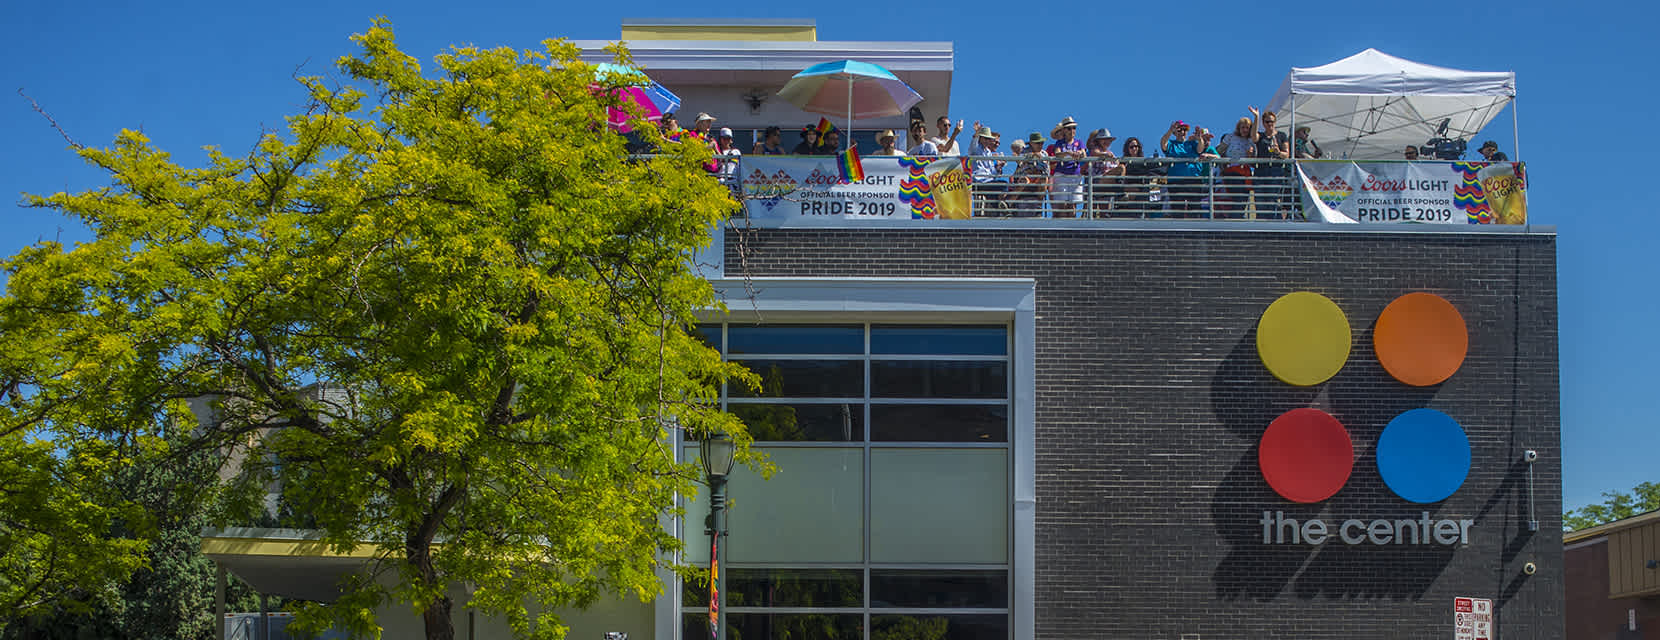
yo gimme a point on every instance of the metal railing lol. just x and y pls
(1135, 188)
(1121, 188)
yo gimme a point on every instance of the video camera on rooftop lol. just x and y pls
(1441, 147)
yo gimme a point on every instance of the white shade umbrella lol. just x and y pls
(856, 89)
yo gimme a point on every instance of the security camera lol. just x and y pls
(1530, 569)
(1530, 456)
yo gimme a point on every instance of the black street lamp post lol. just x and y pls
(717, 452)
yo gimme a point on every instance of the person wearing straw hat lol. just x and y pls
(1031, 177)
(989, 185)
(1068, 187)
(886, 139)
(985, 144)
(703, 127)
(1103, 172)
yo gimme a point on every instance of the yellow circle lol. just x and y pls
(1303, 338)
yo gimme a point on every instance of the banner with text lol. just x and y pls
(1422, 192)
(894, 188)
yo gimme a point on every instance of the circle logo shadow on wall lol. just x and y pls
(1306, 455)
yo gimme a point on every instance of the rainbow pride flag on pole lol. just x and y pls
(849, 166)
(824, 127)
(714, 588)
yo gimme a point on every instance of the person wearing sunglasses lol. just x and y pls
(1272, 186)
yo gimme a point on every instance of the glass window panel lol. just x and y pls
(939, 505)
(939, 379)
(710, 334)
(938, 589)
(962, 626)
(694, 624)
(795, 339)
(784, 588)
(804, 379)
(811, 510)
(841, 422)
(789, 138)
(779, 626)
(744, 139)
(937, 340)
(939, 423)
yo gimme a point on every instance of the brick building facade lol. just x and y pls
(1150, 399)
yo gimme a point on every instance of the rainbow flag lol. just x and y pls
(824, 127)
(848, 164)
(714, 587)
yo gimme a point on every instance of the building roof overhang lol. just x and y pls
(292, 563)
(768, 65)
(1606, 528)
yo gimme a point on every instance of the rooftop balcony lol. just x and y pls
(781, 190)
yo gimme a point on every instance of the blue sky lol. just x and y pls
(192, 73)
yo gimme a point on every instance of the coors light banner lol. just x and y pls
(893, 188)
(1416, 192)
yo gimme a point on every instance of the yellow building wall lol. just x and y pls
(628, 615)
(714, 32)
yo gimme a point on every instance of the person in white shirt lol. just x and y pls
(1235, 186)
(723, 147)
(924, 146)
(985, 144)
(990, 188)
(947, 140)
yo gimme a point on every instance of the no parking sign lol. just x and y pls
(1472, 619)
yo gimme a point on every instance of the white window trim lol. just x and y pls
(921, 300)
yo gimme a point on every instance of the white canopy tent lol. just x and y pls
(1371, 105)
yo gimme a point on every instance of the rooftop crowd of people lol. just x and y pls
(1191, 173)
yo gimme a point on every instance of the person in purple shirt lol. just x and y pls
(1067, 188)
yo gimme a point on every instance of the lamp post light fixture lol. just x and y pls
(717, 452)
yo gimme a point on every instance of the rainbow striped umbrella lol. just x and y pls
(653, 99)
(856, 89)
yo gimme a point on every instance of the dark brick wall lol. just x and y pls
(1151, 398)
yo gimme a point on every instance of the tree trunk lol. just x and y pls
(437, 619)
(436, 614)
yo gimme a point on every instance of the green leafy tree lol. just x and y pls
(171, 596)
(57, 510)
(448, 316)
(1645, 497)
(909, 628)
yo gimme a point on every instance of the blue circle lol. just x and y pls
(1423, 455)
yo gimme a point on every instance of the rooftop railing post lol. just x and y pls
(1089, 188)
(1210, 186)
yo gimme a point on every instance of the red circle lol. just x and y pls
(1306, 455)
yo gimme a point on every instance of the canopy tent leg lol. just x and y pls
(1515, 131)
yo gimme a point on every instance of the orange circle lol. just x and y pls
(1421, 339)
